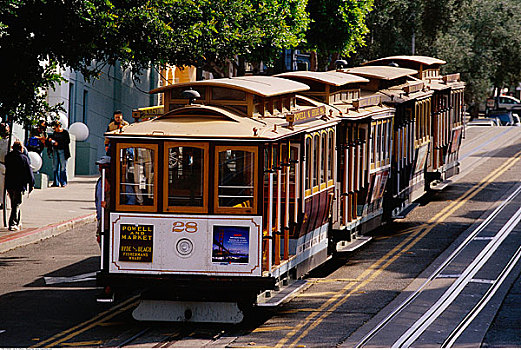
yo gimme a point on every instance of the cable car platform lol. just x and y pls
(359, 241)
(278, 297)
(440, 185)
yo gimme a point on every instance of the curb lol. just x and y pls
(33, 235)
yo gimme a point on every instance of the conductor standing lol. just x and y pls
(18, 178)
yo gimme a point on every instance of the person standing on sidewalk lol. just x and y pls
(116, 124)
(18, 178)
(59, 141)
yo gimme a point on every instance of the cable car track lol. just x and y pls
(415, 331)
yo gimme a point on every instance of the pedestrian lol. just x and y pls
(18, 179)
(4, 149)
(59, 141)
(36, 142)
(103, 163)
(117, 123)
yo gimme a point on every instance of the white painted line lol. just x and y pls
(483, 238)
(449, 276)
(414, 332)
(479, 280)
(90, 276)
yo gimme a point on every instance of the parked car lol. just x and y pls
(483, 122)
(503, 102)
(505, 117)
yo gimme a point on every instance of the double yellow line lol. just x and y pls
(70, 333)
(315, 318)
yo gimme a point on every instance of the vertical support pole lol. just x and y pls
(102, 227)
(278, 218)
(346, 185)
(270, 223)
(286, 211)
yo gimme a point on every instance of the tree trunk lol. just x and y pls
(313, 61)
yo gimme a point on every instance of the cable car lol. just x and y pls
(447, 115)
(223, 197)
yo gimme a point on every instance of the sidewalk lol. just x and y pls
(51, 211)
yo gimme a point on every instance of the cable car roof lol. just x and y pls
(417, 59)
(211, 122)
(381, 72)
(265, 86)
(331, 77)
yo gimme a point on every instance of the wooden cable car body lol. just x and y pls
(447, 114)
(211, 197)
(411, 100)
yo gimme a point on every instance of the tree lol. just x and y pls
(338, 27)
(36, 36)
(487, 62)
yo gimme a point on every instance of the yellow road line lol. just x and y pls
(40, 344)
(271, 329)
(375, 269)
(83, 343)
(92, 325)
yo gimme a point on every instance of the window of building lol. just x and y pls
(85, 106)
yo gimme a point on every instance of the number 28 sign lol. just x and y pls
(184, 226)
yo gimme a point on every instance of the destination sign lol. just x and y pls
(413, 87)
(305, 115)
(147, 112)
(367, 102)
(136, 243)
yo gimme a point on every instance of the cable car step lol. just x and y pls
(278, 297)
(344, 246)
(406, 211)
(440, 185)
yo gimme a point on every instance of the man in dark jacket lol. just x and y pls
(18, 178)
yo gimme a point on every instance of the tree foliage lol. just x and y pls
(479, 38)
(36, 36)
(338, 26)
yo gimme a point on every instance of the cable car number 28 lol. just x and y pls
(181, 226)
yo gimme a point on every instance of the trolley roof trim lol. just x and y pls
(381, 72)
(331, 77)
(211, 122)
(265, 86)
(417, 59)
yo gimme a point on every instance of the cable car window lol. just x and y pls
(137, 177)
(316, 153)
(219, 93)
(236, 177)
(323, 160)
(309, 163)
(186, 178)
(331, 137)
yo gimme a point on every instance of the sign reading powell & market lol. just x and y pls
(136, 243)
